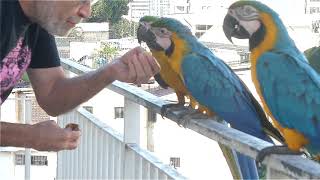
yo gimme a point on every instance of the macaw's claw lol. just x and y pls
(165, 108)
(184, 119)
(284, 150)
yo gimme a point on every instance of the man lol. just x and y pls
(27, 43)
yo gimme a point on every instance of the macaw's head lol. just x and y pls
(158, 33)
(251, 20)
(145, 35)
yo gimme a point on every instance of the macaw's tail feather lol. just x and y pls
(232, 162)
(268, 128)
(248, 167)
(241, 166)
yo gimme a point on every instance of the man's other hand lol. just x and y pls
(48, 136)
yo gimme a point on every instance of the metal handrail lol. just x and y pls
(288, 166)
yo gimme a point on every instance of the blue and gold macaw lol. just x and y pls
(210, 82)
(167, 77)
(287, 85)
(313, 57)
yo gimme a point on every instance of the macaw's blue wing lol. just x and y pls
(292, 93)
(215, 86)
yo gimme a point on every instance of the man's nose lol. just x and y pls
(85, 10)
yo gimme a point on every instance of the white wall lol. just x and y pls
(103, 108)
(7, 169)
(8, 110)
(39, 172)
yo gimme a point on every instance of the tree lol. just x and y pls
(123, 28)
(108, 11)
(104, 54)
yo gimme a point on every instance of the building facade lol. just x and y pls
(312, 7)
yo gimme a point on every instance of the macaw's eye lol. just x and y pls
(163, 30)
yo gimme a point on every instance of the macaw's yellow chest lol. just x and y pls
(168, 74)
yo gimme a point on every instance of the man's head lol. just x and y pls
(58, 17)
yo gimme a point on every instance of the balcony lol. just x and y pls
(105, 154)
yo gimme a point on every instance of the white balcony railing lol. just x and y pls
(104, 153)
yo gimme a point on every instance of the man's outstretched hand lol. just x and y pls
(136, 66)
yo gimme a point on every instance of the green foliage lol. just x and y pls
(104, 54)
(123, 28)
(25, 77)
(108, 11)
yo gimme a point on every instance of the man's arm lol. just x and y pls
(45, 135)
(57, 94)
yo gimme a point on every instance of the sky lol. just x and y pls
(286, 8)
(290, 11)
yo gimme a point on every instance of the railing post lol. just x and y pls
(27, 120)
(152, 118)
(131, 122)
(132, 134)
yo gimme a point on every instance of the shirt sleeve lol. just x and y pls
(44, 49)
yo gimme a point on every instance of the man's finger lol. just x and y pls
(138, 50)
(140, 74)
(74, 135)
(145, 64)
(132, 71)
(72, 145)
(155, 67)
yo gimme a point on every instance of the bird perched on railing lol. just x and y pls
(208, 80)
(167, 77)
(288, 87)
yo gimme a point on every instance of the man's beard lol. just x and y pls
(46, 18)
(58, 29)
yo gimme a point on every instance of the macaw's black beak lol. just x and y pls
(232, 28)
(144, 34)
(140, 33)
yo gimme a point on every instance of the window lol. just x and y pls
(180, 8)
(39, 160)
(19, 159)
(175, 162)
(314, 10)
(315, 26)
(118, 112)
(201, 27)
(35, 160)
(199, 34)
